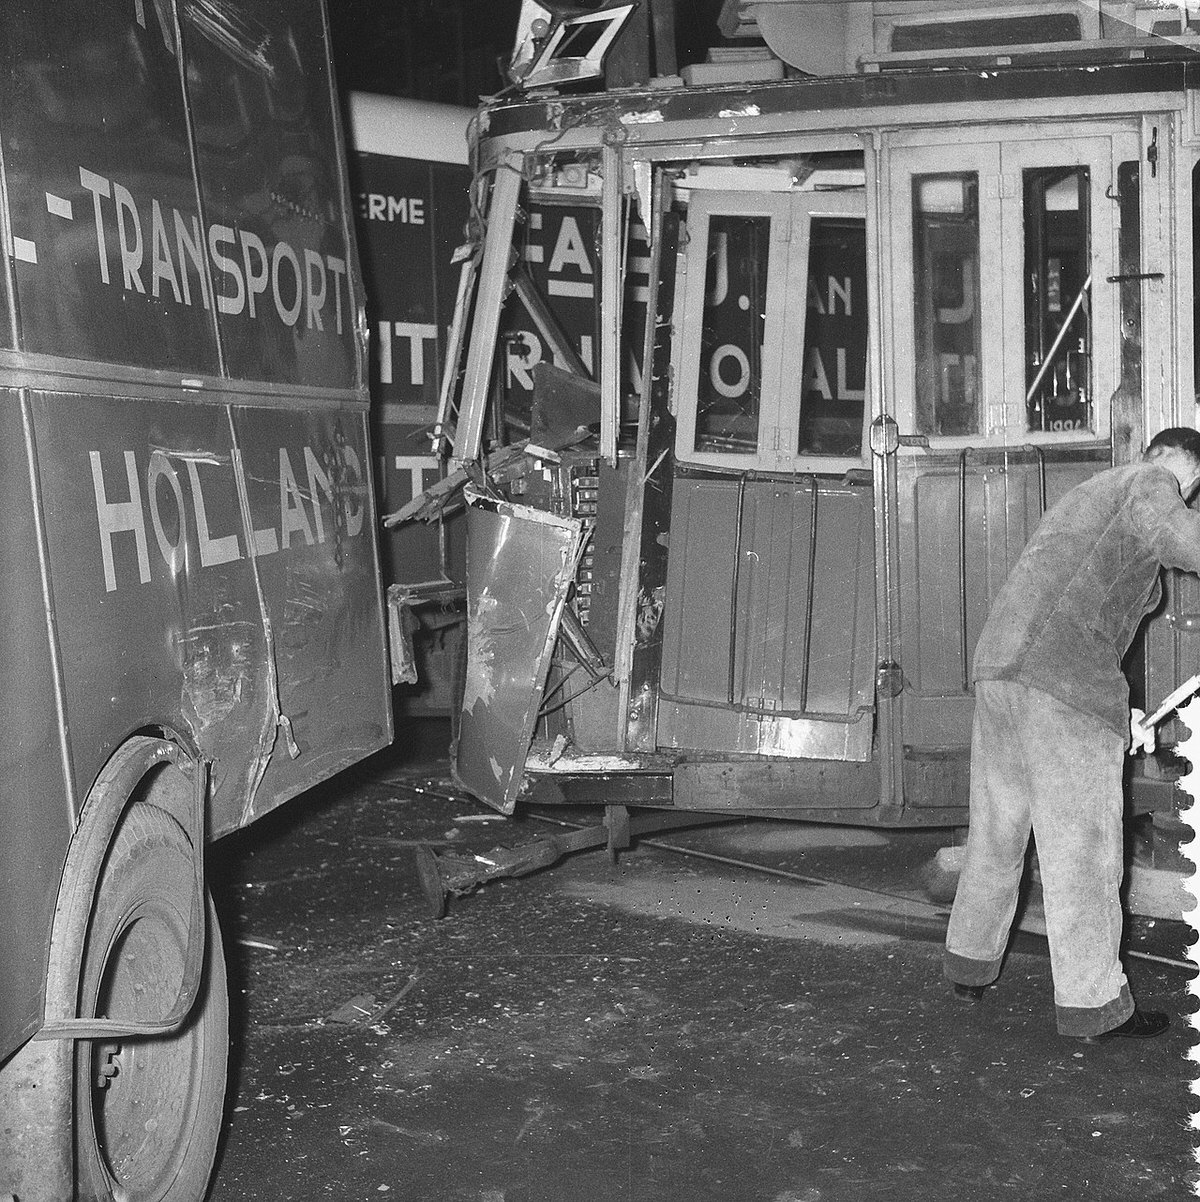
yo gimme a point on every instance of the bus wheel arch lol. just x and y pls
(147, 1111)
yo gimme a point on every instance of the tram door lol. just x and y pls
(769, 623)
(1003, 354)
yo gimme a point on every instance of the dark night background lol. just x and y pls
(448, 50)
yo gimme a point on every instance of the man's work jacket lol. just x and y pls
(1071, 605)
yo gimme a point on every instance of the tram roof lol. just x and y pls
(644, 112)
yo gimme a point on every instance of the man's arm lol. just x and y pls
(1173, 530)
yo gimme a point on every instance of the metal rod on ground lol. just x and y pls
(442, 875)
(934, 911)
(395, 999)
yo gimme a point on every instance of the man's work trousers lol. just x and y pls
(1038, 763)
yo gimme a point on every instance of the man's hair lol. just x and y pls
(1181, 438)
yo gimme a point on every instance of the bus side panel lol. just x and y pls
(322, 588)
(109, 248)
(34, 822)
(151, 553)
(274, 198)
(158, 617)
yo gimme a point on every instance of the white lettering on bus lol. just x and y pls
(161, 266)
(265, 541)
(293, 515)
(317, 478)
(256, 277)
(213, 551)
(356, 515)
(287, 313)
(98, 186)
(243, 265)
(314, 288)
(218, 235)
(174, 554)
(164, 24)
(190, 248)
(116, 517)
(129, 233)
(303, 509)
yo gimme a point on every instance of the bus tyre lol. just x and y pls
(148, 1110)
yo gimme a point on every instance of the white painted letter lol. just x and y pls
(217, 235)
(844, 391)
(354, 514)
(337, 269)
(317, 478)
(173, 553)
(264, 541)
(842, 290)
(292, 516)
(162, 266)
(98, 186)
(815, 377)
(287, 314)
(417, 333)
(720, 355)
(116, 516)
(256, 280)
(190, 246)
(212, 550)
(131, 251)
(314, 287)
(569, 248)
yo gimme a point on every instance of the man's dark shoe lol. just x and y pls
(1141, 1024)
(969, 993)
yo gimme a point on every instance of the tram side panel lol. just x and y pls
(1033, 360)
(1006, 336)
(728, 700)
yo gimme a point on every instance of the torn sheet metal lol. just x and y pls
(514, 461)
(401, 626)
(520, 563)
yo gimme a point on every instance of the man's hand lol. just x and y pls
(1141, 737)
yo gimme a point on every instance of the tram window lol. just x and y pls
(833, 384)
(729, 392)
(946, 317)
(1058, 328)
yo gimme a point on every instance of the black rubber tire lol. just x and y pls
(148, 1111)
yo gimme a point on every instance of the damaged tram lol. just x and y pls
(764, 385)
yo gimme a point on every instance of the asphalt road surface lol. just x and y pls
(665, 1028)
